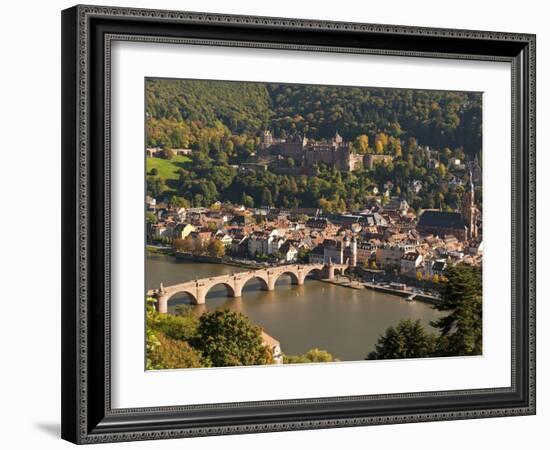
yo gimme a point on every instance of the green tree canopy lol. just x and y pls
(227, 338)
(179, 327)
(461, 330)
(314, 355)
(408, 339)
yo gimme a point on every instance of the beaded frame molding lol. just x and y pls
(87, 35)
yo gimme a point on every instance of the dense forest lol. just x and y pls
(222, 123)
(185, 112)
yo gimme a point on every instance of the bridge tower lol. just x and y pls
(353, 248)
(162, 302)
(330, 269)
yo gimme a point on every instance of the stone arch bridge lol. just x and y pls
(198, 289)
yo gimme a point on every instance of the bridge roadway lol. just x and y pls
(198, 289)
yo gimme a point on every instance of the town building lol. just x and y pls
(182, 230)
(390, 255)
(317, 255)
(366, 251)
(441, 223)
(461, 224)
(274, 345)
(410, 262)
(289, 252)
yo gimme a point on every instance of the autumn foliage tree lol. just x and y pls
(173, 354)
(215, 248)
(361, 144)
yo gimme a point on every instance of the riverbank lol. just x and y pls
(190, 257)
(386, 290)
(153, 250)
(298, 316)
(403, 293)
(343, 283)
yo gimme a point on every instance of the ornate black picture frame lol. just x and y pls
(87, 34)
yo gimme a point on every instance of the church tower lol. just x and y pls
(469, 210)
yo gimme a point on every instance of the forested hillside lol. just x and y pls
(241, 107)
(435, 118)
(222, 122)
(198, 112)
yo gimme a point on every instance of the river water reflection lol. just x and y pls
(345, 322)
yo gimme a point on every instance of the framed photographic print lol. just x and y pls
(281, 224)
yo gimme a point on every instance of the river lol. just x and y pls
(345, 322)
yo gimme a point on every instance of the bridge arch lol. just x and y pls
(162, 300)
(314, 271)
(261, 278)
(228, 287)
(342, 270)
(168, 297)
(294, 279)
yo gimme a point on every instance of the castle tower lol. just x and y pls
(469, 210)
(267, 139)
(338, 139)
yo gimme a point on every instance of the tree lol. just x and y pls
(179, 202)
(408, 339)
(303, 255)
(169, 153)
(311, 356)
(215, 248)
(361, 144)
(174, 354)
(267, 199)
(461, 330)
(186, 245)
(229, 147)
(247, 201)
(151, 340)
(227, 338)
(156, 186)
(379, 146)
(181, 327)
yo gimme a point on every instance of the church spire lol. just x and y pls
(469, 212)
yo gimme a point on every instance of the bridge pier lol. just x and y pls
(237, 289)
(162, 304)
(330, 272)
